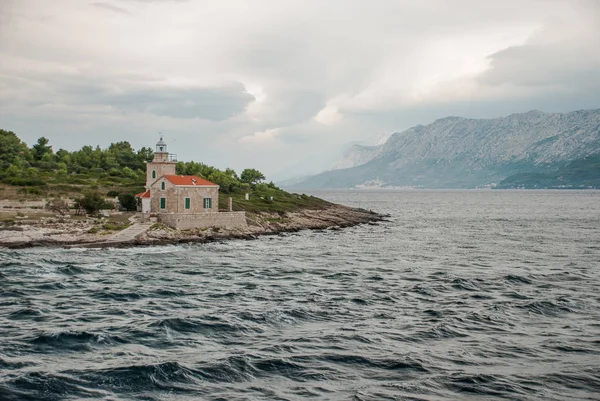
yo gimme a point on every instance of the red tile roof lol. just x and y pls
(143, 194)
(188, 180)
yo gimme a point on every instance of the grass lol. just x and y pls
(120, 218)
(11, 215)
(111, 226)
(282, 202)
(70, 186)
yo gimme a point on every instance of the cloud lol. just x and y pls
(127, 94)
(215, 104)
(302, 77)
(262, 136)
(111, 7)
(329, 115)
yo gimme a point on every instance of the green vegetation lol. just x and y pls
(92, 202)
(128, 202)
(90, 174)
(118, 168)
(260, 200)
(580, 173)
(251, 176)
(113, 226)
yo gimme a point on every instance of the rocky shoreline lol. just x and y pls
(66, 233)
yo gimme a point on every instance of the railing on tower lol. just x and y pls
(172, 157)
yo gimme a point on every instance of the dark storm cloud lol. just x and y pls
(543, 65)
(564, 54)
(130, 94)
(215, 104)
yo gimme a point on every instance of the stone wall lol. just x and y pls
(175, 198)
(6, 204)
(160, 168)
(203, 220)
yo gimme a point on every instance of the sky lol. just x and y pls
(284, 85)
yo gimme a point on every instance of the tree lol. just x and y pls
(63, 156)
(92, 202)
(14, 170)
(11, 148)
(32, 172)
(58, 205)
(251, 176)
(41, 148)
(123, 154)
(231, 172)
(129, 173)
(227, 183)
(128, 202)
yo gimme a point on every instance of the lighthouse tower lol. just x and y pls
(163, 163)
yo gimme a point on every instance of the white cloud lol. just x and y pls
(260, 137)
(329, 115)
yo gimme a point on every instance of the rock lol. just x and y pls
(72, 232)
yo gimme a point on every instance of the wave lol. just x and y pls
(206, 327)
(25, 314)
(545, 308)
(72, 341)
(517, 279)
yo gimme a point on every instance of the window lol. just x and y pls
(208, 203)
(153, 173)
(163, 203)
(187, 203)
(162, 185)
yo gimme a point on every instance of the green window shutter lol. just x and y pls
(187, 203)
(163, 203)
(162, 185)
(208, 203)
(153, 174)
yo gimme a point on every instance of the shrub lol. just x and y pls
(58, 205)
(92, 202)
(128, 202)
(24, 182)
(115, 226)
(34, 191)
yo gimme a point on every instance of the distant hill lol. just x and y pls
(457, 152)
(580, 173)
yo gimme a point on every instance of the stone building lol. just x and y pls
(182, 201)
(183, 194)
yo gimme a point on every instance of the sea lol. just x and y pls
(457, 295)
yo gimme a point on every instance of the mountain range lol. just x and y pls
(521, 150)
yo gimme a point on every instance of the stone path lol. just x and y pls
(130, 233)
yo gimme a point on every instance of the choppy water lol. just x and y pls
(461, 295)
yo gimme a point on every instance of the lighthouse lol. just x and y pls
(163, 163)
